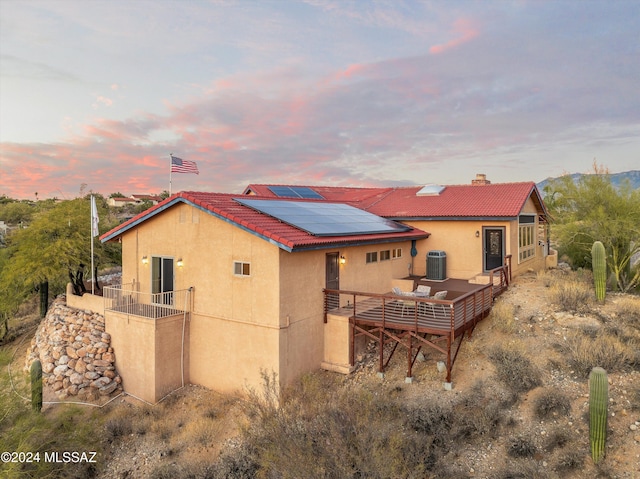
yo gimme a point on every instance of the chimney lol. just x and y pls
(481, 179)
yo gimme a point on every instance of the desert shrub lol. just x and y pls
(117, 426)
(628, 310)
(522, 468)
(480, 412)
(557, 438)
(514, 369)
(570, 461)
(551, 402)
(571, 295)
(241, 462)
(545, 277)
(521, 447)
(503, 315)
(606, 350)
(433, 419)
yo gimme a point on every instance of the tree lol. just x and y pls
(593, 209)
(56, 242)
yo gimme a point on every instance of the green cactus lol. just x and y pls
(36, 385)
(599, 265)
(598, 403)
(44, 298)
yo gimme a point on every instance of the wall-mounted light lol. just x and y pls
(145, 260)
(477, 234)
(179, 263)
(343, 260)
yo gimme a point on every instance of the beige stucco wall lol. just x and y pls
(87, 301)
(148, 354)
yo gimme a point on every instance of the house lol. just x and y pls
(216, 290)
(219, 289)
(133, 200)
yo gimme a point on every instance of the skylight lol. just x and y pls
(430, 190)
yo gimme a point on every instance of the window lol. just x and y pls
(385, 255)
(241, 269)
(397, 253)
(526, 237)
(372, 257)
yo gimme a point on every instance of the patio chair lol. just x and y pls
(440, 295)
(423, 290)
(405, 303)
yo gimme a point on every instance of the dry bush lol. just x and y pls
(551, 402)
(570, 461)
(118, 426)
(545, 277)
(558, 438)
(481, 411)
(503, 315)
(514, 369)
(628, 310)
(521, 447)
(571, 295)
(605, 350)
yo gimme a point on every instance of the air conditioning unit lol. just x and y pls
(437, 265)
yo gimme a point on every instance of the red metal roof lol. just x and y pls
(285, 236)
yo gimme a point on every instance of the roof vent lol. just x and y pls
(481, 179)
(430, 190)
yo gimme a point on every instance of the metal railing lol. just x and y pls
(124, 299)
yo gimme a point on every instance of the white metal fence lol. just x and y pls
(124, 299)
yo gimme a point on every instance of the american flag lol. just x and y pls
(179, 165)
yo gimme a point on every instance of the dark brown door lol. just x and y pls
(493, 248)
(332, 278)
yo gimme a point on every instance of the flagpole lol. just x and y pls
(93, 280)
(170, 168)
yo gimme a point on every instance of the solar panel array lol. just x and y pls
(325, 219)
(295, 192)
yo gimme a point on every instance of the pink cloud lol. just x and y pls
(464, 30)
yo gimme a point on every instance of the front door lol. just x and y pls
(332, 279)
(493, 248)
(162, 280)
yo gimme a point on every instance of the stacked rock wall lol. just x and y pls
(75, 352)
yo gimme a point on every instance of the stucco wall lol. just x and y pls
(87, 301)
(148, 354)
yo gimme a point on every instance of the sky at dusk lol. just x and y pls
(95, 95)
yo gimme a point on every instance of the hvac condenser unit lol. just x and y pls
(437, 265)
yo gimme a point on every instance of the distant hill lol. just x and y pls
(633, 177)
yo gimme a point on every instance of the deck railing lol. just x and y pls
(124, 299)
(426, 315)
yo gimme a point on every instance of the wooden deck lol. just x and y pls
(415, 322)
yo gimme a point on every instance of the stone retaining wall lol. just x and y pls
(75, 352)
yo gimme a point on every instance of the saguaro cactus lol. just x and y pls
(44, 298)
(598, 403)
(36, 385)
(599, 265)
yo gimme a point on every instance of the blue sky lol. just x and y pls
(95, 95)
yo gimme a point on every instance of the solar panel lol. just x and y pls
(324, 219)
(295, 192)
